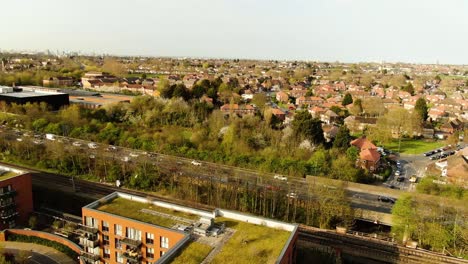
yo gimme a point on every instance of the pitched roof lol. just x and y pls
(369, 155)
(363, 143)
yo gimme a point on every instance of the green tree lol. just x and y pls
(421, 109)
(342, 138)
(408, 88)
(348, 99)
(308, 127)
(403, 215)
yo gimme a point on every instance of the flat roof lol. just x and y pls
(5, 174)
(148, 213)
(27, 94)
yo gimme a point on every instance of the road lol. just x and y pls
(207, 170)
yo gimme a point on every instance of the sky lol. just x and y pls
(418, 31)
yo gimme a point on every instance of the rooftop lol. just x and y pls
(7, 173)
(148, 213)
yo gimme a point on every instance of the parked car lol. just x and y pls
(92, 145)
(397, 173)
(400, 179)
(133, 155)
(429, 153)
(111, 148)
(413, 179)
(292, 195)
(77, 144)
(280, 177)
(386, 199)
(50, 136)
(196, 163)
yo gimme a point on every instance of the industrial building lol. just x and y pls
(22, 95)
(124, 228)
(16, 203)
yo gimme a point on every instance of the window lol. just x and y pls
(150, 252)
(164, 242)
(118, 257)
(149, 238)
(118, 245)
(89, 221)
(106, 253)
(105, 226)
(105, 240)
(118, 229)
(132, 233)
(161, 253)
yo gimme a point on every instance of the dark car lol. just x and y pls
(435, 157)
(400, 179)
(386, 199)
(429, 153)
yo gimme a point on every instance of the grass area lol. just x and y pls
(193, 254)
(251, 243)
(131, 209)
(415, 146)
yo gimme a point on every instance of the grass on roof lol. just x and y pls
(131, 209)
(414, 146)
(8, 175)
(251, 244)
(195, 253)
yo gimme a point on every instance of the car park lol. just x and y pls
(280, 177)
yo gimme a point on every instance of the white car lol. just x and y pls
(397, 173)
(92, 145)
(195, 163)
(292, 195)
(280, 177)
(125, 159)
(112, 148)
(133, 155)
(77, 144)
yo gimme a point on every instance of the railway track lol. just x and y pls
(374, 249)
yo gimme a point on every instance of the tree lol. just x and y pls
(421, 109)
(348, 99)
(308, 127)
(342, 138)
(32, 221)
(408, 88)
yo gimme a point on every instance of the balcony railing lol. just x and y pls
(88, 229)
(89, 241)
(8, 205)
(131, 242)
(89, 256)
(8, 215)
(133, 256)
(9, 193)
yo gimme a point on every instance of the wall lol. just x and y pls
(43, 235)
(255, 220)
(22, 184)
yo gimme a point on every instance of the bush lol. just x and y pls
(41, 241)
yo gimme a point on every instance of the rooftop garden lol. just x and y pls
(193, 254)
(131, 209)
(251, 243)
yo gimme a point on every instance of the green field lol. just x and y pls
(415, 146)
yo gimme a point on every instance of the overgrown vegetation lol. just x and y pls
(194, 253)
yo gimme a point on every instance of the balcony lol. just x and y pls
(133, 256)
(7, 194)
(89, 240)
(89, 257)
(88, 229)
(131, 242)
(5, 215)
(8, 205)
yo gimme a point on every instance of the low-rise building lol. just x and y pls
(124, 228)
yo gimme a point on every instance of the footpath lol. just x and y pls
(35, 253)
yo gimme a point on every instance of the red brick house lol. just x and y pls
(369, 157)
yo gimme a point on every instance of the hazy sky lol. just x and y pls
(328, 30)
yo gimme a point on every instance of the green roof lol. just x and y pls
(251, 243)
(7, 175)
(131, 209)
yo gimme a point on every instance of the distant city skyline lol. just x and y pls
(322, 30)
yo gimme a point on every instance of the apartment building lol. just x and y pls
(16, 201)
(124, 228)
